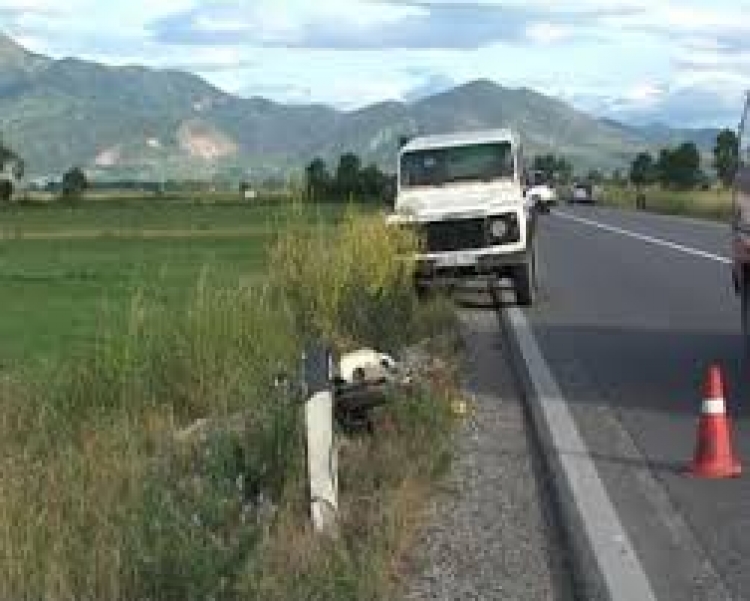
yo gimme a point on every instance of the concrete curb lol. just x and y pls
(605, 564)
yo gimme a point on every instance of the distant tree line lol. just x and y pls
(350, 181)
(553, 168)
(679, 168)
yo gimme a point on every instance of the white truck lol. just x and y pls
(464, 193)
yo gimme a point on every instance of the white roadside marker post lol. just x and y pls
(322, 450)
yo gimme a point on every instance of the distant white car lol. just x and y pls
(582, 193)
(542, 195)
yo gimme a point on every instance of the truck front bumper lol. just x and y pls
(452, 269)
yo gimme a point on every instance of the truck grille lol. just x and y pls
(458, 234)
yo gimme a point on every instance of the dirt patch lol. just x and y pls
(201, 140)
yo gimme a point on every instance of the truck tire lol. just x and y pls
(525, 282)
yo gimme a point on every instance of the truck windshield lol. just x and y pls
(437, 166)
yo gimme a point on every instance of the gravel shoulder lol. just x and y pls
(490, 530)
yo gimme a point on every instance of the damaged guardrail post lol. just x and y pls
(322, 450)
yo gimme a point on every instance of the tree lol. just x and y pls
(373, 183)
(664, 166)
(368, 184)
(553, 168)
(317, 179)
(9, 157)
(546, 164)
(686, 166)
(679, 167)
(563, 170)
(643, 170)
(726, 156)
(348, 175)
(6, 155)
(6, 190)
(74, 183)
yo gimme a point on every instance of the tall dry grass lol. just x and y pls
(165, 464)
(352, 285)
(705, 204)
(97, 498)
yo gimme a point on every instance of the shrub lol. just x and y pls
(352, 285)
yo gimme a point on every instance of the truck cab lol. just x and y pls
(464, 194)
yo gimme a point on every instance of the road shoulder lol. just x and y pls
(491, 532)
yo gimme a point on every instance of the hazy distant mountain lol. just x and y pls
(134, 121)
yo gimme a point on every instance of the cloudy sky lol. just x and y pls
(682, 62)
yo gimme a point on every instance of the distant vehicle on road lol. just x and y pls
(741, 224)
(582, 192)
(540, 191)
(463, 192)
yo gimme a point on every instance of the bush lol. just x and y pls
(358, 290)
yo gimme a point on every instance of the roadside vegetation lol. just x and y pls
(713, 204)
(676, 182)
(159, 460)
(350, 179)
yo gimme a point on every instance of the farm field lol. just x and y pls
(64, 270)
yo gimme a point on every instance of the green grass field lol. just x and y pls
(63, 270)
(147, 214)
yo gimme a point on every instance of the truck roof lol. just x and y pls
(485, 136)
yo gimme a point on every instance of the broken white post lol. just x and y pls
(322, 451)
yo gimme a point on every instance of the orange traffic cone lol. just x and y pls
(714, 455)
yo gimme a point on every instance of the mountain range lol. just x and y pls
(147, 123)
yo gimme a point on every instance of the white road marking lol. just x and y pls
(616, 561)
(644, 238)
(713, 407)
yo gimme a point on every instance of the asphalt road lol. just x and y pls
(633, 310)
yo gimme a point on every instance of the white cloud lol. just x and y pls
(220, 25)
(32, 5)
(681, 18)
(548, 33)
(697, 19)
(644, 94)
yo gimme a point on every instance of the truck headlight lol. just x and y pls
(503, 229)
(499, 228)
